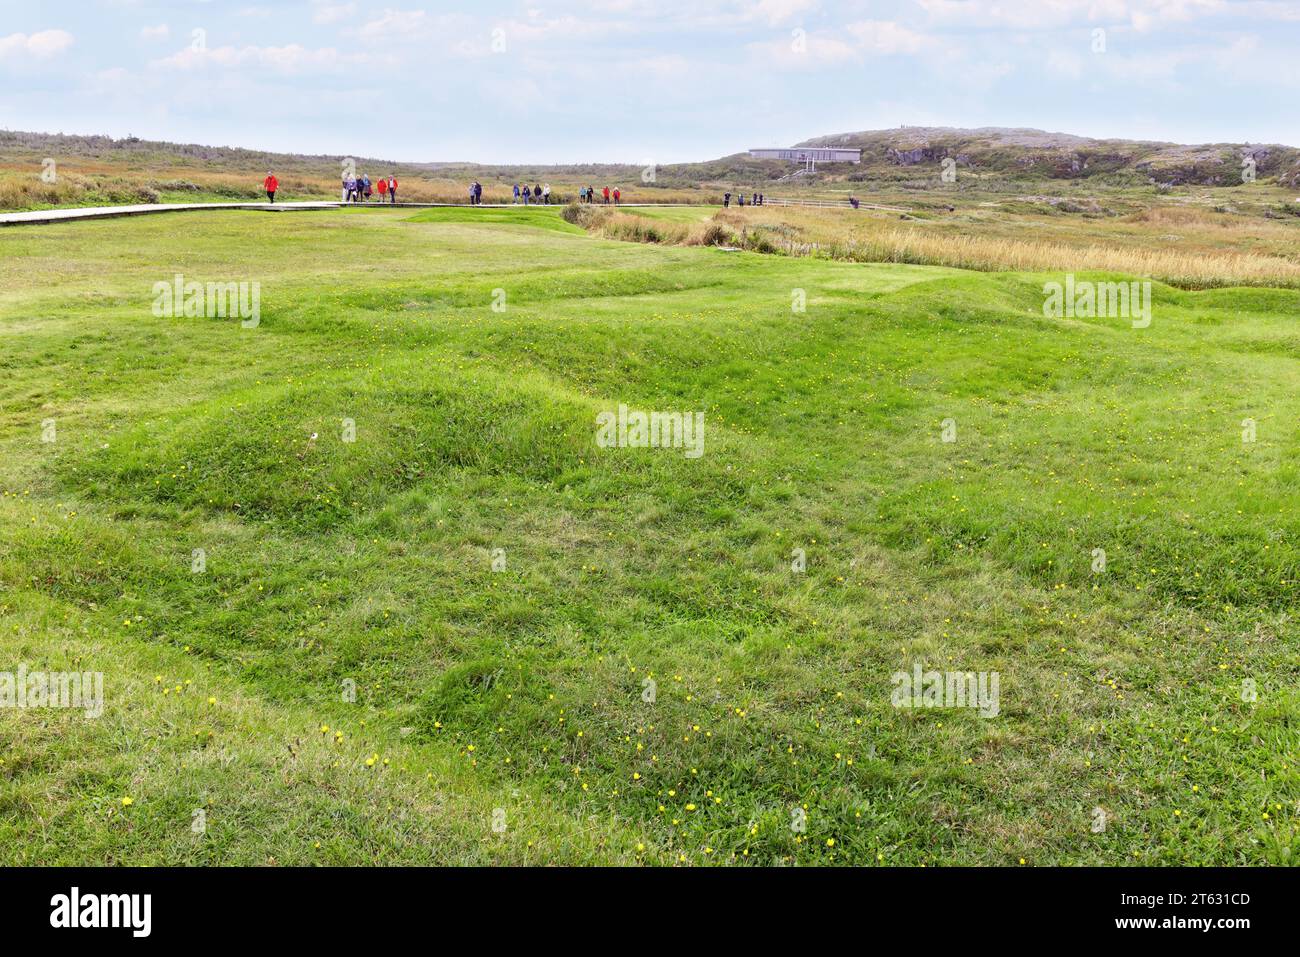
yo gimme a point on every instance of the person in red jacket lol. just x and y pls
(271, 184)
(617, 195)
(383, 188)
(392, 188)
(606, 193)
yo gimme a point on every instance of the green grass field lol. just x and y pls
(517, 696)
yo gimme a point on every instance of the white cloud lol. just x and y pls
(1053, 14)
(665, 67)
(815, 51)
(853, 42)
(1028, 15)
(160, 32)
(779, 11)
(291, 59)
(396, 25)
(1179, 11)
(327, 11)
(41, 45)
(1065, 63)
(885, 38)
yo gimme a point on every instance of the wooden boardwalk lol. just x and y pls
(44, 216)
(47, 216)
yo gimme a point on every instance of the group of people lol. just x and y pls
(587, 194)
(359, 189)
(533, 194)
(541, 193)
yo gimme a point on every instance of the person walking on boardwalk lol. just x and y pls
(617, 194)
(546, 194)
(365, 184)
(382, 186)
(392, 188)
(516, 193)
(726, 200)
(272, 184)
(606, 195)
(478, 193)
(527, 194)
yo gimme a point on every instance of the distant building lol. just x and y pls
(810, 156)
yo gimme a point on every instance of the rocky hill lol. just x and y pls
(1029, 154)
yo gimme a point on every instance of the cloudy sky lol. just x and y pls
(642, 80)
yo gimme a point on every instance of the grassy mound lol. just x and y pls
(635, 655)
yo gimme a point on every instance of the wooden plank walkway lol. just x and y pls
(47, 216)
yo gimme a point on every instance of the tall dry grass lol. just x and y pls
(918, 246)
(29, 192)
(627, 227)
(1197, 270)
(1211, 254)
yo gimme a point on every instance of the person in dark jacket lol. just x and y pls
(726, 200)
